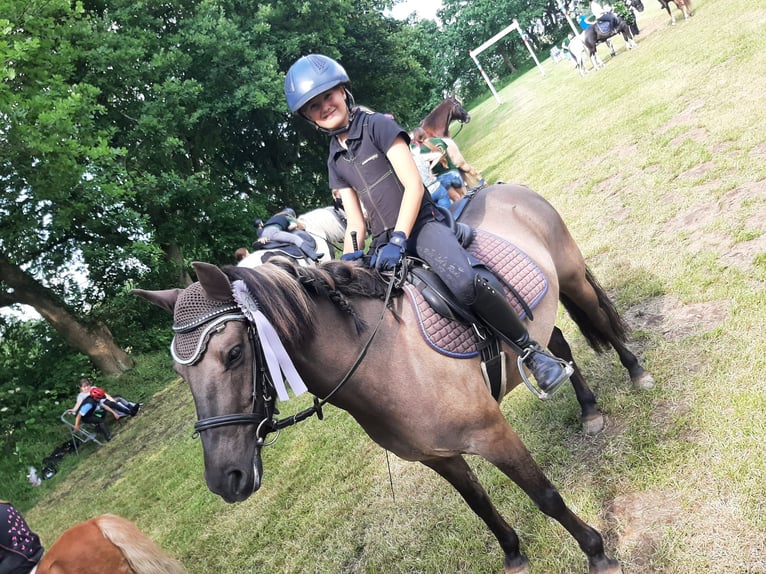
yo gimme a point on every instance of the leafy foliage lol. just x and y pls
(64, 187)
(467, 25)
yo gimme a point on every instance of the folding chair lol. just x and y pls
(80, 435)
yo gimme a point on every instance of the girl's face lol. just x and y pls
(328, 110)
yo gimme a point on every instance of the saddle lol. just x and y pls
(285, 249)
(604, 30)
(453, 330)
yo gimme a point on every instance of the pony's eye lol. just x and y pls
(234, 355)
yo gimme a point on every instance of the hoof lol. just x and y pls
(593, 425)
(607, 566)
(519, 565)
(644, 382)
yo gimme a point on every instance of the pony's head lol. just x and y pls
(459, 113)
(637, 4)
(215, 352)
(226, 325)
(436, 123)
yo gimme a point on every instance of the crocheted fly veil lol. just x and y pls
(195, 316)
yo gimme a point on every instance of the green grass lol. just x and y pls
(657, 163)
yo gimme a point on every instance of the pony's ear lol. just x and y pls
(214, 281)
(164, 299)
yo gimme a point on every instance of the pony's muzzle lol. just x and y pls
(235, 484)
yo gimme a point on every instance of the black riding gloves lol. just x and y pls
(389, 257)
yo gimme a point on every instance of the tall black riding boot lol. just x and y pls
(490, 305)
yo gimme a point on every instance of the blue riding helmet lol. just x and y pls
(289, 211)
(309, 76)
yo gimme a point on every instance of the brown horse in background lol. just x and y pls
(107, 544)
(436, 124)
(685, 6)
(364, 353)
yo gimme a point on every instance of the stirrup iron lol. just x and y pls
(539, 393)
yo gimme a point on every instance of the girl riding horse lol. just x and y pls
(371, 164)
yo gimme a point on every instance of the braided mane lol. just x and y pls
(285, 292)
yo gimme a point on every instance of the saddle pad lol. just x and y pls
(604, 28)
(505, 260)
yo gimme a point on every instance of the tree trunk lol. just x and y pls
(173, 253)
(507, 59)
(95, 341)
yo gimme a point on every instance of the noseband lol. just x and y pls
(263, 398)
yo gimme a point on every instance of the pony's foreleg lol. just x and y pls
(597, 62)
(610, 45)
(666, 6)
(591, 417)
(502, 447)
(630, 43)
(457, 472)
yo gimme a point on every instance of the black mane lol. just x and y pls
(284, 292)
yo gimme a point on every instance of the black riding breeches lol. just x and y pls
(436, 244)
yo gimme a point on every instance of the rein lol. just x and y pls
(316, 408)
(264, 417)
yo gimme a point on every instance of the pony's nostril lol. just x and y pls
(236, 479)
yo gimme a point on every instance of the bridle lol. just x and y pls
(455, 103)
(263, 405)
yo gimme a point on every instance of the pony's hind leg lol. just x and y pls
(592, 419)
(457, 472)
(590, 307)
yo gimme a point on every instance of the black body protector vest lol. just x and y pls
(370, 173)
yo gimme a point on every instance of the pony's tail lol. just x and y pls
(598, 337)
(143, 555)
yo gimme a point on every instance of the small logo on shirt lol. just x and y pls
(369, 159)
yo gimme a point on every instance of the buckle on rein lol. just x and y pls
(268, 425)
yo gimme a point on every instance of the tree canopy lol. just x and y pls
(137, 136)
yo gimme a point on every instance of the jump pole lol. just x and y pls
(494, 39)
(563, 7)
